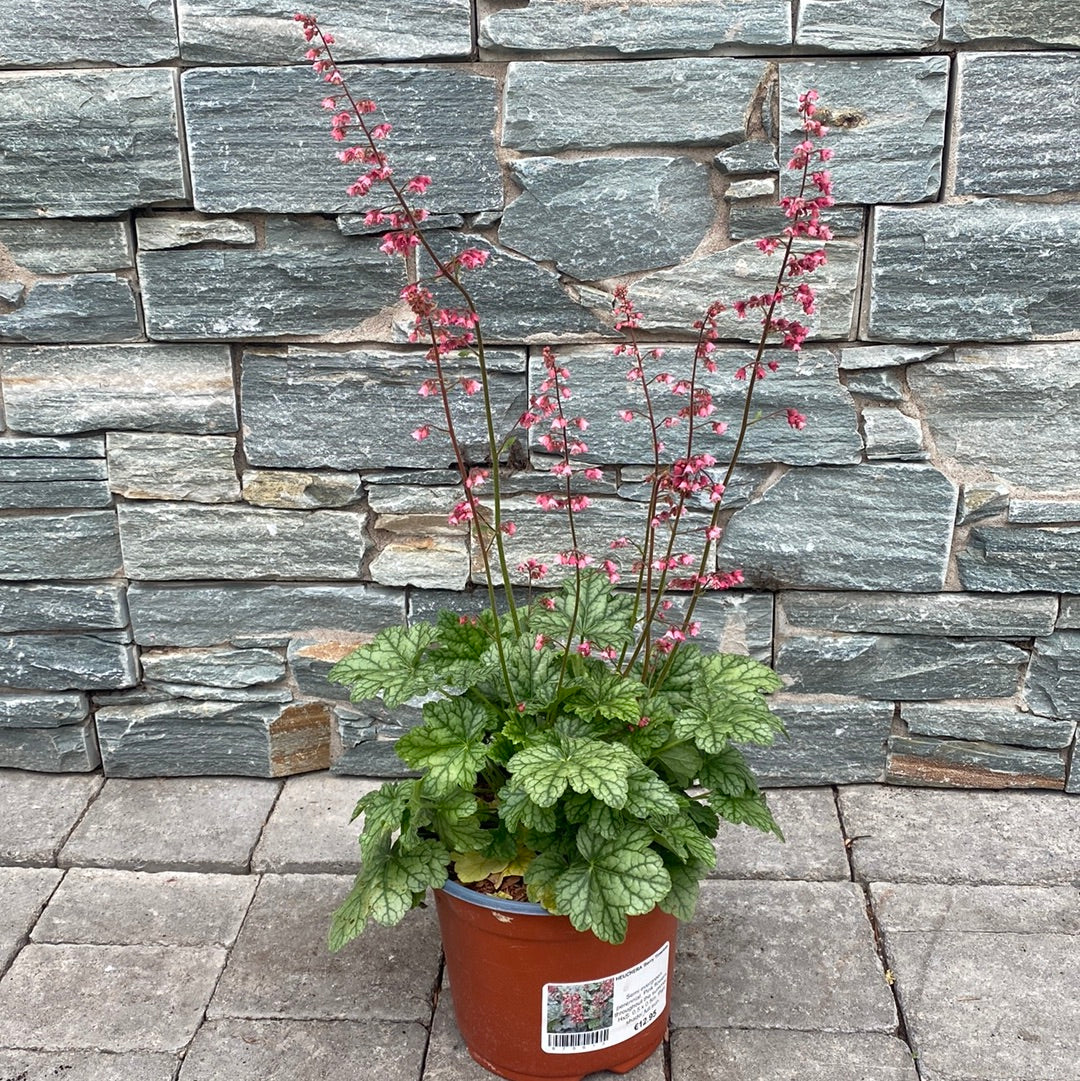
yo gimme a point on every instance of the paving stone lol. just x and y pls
(876, 26)
(911, 667)
(265, 614)
(42, 710)
(927, 835)
(1052, 687)
(83, 308)
(880, 385)
(593, 106)
(954, 763)
(169, 541)
(891, 434)
(813, 846)
(37, 812)
(54, 606)
(1010, 560)
(70, 748)
(149, 465)
(566, 213)
(87, 1066)
(983, 616)
(80, 544)
(213, 667)
(59, 389)
(66, 662)
(859, 357)
(761, 1055)
(1043, 511)
(25, 892)
(250, 133)
(787, 955)
(356, 410)
(67, 247)
(922, 272)
(883, 526)
(124, 152)
(753, 156)
(310, 830)
(831, 739)
(236, 32)
(107, 998)
(249, 1050)
(172, 824)
(886, 122)
(300, 490)
(1042, 22)
(389, 976)
(159, 231)
(980, 501)
(987, 721)
(134, 908)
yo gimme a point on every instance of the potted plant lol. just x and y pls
(578, 750)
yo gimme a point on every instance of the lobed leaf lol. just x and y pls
(391, 665)
(449, 746)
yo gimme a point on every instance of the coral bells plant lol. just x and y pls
(577, 749)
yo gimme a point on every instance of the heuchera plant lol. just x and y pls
(578, 749)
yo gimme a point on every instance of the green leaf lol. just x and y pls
(390, 665)
(544, 770)
(717, 721)
(704, 817)
(603, 616)
(517, 809)
(681, 899)
(727, 773)
(384, 812)
(543, 873)
(649, 797)
(684, 678)
(686, 841)
(459, 834)
(749, 810)
(449, 746)
(740, 676)
(608, 695)
(681, 761)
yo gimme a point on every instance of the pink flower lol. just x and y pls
(418, 185)
(473, 258)
(421, 433)
(796, 419)
(380, 131)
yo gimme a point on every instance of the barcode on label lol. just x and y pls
(578, 1039)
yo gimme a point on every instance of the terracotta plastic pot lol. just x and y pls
(536, 1000)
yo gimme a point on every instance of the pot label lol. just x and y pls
(580, 1017)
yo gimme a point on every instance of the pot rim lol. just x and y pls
(499, 904)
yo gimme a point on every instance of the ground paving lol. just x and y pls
(174, 930)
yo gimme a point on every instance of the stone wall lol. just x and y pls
(207, 489)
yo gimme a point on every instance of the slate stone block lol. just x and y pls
(367, 755)
(238, 32)
(567, 213)
(71, 748)
(311, 656)
(58, 607)
(12, 292)
(213, 667)
(300, 490)
(28, 446)
(861, 357)
(762, 187)
(83, 308)
(59, 389)
(80, 544)
(54, 495)
(879, 385)
(159, 690)
(123, 152)
(356, 410)
(422, 561)
(42, 710)
(1052, 687)
(67, 662)
(170, 541)
(885, 526)
(954, 763)
(868, 25)
(927, 264)
(593, 106)
(1044, 511)
(250, 133)
(886, 122)
(1041, 22)
(910, 667)
(199, 468)
(1069, 616)
(268, 614)
(892, 434)
(162, 231)
(1002, 559)
(67, 247)
(982, 501)
(752, 157)
(988, 722)
(753, 220)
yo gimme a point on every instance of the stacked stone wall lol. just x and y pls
(207, 488)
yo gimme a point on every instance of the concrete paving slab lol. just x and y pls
(813, 845)
(24, 891)
(167, 908)
(280, 966)
(309, 828)
(173, 824)
(242, 1049)
(106, 998)
(932, 835)
(85, 1066)
(704, 1054)
(789, 955)
(38, 811)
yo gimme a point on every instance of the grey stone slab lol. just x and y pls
(172, 824)
(79, 544)
(1052, 687)
(566, 213)
(781, 955)
(250, 134)
(37, 813)
(1009, 560)
(1070, 613)
(66, 662)
(884, 526)
(55, 495)
(158, 231)
(25, 891)
(933, 835)
(124, 152)
(70, 748)
(356, 410)
(182, 737)
(763, 1055)
(29, 446)
(169, 541)
(107, 907)
(388, 976)
(42, 710)
(1043, 511)
(813, 846)
(879, 385)
(424, 561)
(986, 721)
(60, 389)
(67, 247)
(860, 357)
(365, 754)
(82, 308)
(911, 667)
(207, 614)
(1042, 22)
(296, 490)
(749, 221)
(886, 122)
(213, 667)
(311, 656)
(163, 689)
(983, 616)
(149, 465)
(891, 434)
(929, 283)
(876, 26)
(750, 189)
(752, 157)
(954, 763)
(87, 1065)
(239, 32)
(985, 408)
(981, 501)
(251, 1050)
(830, 739)
(12, 292)
(107, 998)
(593, 106)
(54, 606)
(25, 469)
(310, 830)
